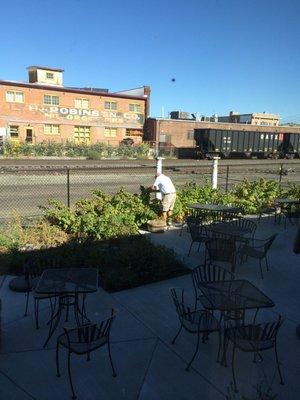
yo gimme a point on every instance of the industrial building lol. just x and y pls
(42, 109)
(183, 132)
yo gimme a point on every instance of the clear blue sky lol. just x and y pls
(241, 55)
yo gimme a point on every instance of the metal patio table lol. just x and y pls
(222, 296)
(214, 210)
(67, 284)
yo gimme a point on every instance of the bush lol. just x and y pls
(94, 151)
(15, 236)
(102, 216)
(193, 193)
(251, 196)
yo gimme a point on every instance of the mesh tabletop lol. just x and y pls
(234, 295)
(68, 280)
(214, 207)
(228, 228)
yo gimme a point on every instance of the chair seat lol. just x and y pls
(80, 348)
(22, 285)
(241, 341)
(204, 301)
(251, 252)
(208, 322)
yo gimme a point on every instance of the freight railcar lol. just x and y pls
(233, 143)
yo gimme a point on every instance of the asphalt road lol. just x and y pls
(27, 184)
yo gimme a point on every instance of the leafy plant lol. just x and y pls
(193, 193)
(93, 151)
(251, 196)
(102, 216)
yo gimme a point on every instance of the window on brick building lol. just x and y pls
(29, 135)
(52, 100)
(49, 75)
(135, 108)
(190, 135)
(51, 129)
(110, 105)
(82, 134)
(82, 103)
(14, 132)
(110, 132)
(13, 96)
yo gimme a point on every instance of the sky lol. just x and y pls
(199, 56)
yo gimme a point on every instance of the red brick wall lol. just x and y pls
(34, 114)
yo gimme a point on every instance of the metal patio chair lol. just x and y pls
(83, 340)
(291, 214)
(254, 338)
(190, 219)
(246, 224)
(221, 249)
(258, 249)
(33, 269)
(198, 322)
(198, 234)
(208, 273)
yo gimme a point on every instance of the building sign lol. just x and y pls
(78, 114)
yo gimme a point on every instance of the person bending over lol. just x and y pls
(165, 186)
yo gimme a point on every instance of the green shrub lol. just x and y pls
(70, 149)
(94, 155)
(292, 191)
(251, 196)
(193, 193)
(102, 216)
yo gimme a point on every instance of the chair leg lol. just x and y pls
(278, 364)
(173, 341)
(26, 306)
(267, 263)
(70, 376)
(110, 359)
(36, 312)
(260, 266)
(232, 369)
(195, 352)
(219, 347)
(190, 248)
(57, 360)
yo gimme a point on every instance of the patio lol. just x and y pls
(148, 366)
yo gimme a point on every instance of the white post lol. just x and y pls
(214, 177)
(158, 171)
(159, 165)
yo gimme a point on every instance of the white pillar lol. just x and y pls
(214, 177)
(159, 165)
(158, 171)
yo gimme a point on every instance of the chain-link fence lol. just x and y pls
(23, 191)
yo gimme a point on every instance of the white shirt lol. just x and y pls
(164, 184)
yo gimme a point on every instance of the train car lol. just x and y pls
(291, 145)
(233, 143)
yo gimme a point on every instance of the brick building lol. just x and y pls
(263, 119)
(44, 110)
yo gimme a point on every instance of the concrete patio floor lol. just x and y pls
(148, 366)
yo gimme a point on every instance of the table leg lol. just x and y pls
(54, 321)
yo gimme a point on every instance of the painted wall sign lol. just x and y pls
(88, 114)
